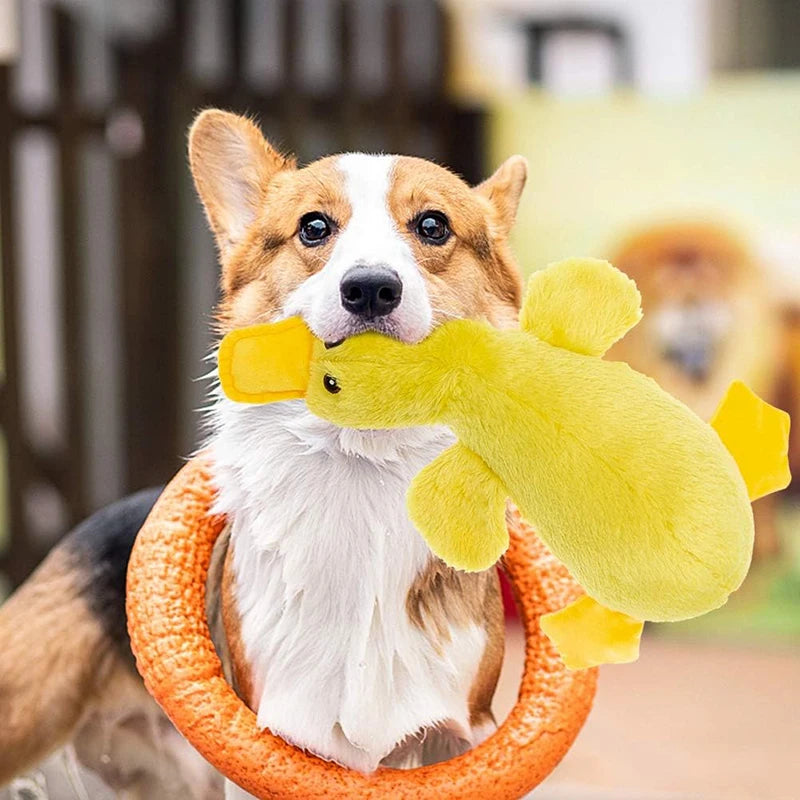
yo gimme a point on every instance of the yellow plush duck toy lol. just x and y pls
(647, 505)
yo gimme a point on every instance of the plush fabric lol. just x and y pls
(586, 633)
(265, 363)
(756, 437)
(640, 498)
(580, 305)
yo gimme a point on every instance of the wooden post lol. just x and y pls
(148, 212)
(68, 136)
(18, 558)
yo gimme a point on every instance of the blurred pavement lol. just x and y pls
(688, 720)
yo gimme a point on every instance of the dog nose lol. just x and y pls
(370, 291)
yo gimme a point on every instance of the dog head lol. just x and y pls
(353, 242)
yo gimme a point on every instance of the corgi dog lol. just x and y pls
(709, 319)
(335, 622)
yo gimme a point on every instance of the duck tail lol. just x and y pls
(757, 436)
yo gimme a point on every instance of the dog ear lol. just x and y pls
(231, 165)
(503, 190)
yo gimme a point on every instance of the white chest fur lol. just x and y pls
(324, 556)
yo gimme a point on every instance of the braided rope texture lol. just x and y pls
(181, 669)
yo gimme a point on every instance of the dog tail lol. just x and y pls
(62, 631)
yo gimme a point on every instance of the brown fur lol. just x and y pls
(62, 680)
(231, 164)
(254, 198)
(65, 678)
(54, 657)
(684, 262)
(473, 274)
(241, 677)
(442, 598)
(269, 262)
(789, 391)
(482, 692)
(214, 600)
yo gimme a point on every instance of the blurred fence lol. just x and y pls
(108, 272)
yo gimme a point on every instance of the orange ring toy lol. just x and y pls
(181, 669)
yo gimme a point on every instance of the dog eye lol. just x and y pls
(432, 227)
(315, 228)
(331, 384)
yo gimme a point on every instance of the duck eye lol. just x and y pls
(331, 384)
(432, 227)
(314, 229)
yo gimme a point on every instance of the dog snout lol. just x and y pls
(370, 291)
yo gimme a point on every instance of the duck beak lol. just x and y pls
(266, 363)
